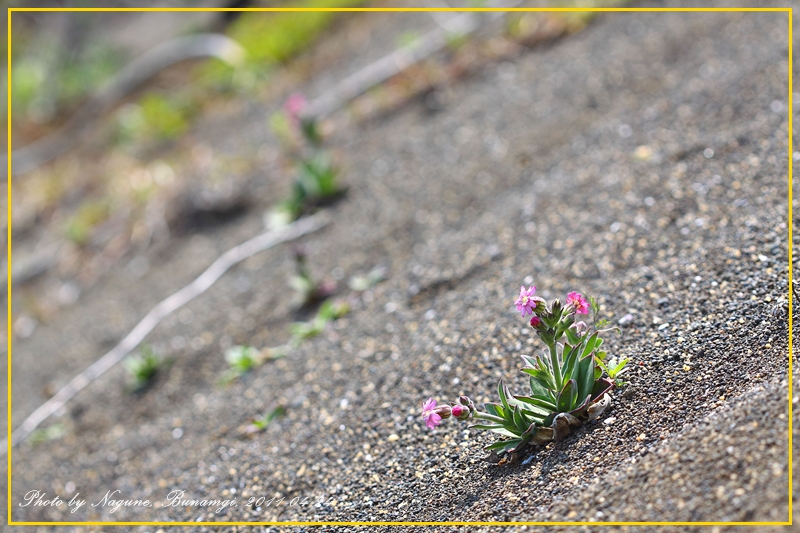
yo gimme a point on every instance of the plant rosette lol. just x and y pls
(569, 381)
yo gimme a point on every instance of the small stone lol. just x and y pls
(610, 420)
(393, 437)
(625, 319)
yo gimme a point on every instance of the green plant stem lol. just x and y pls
(556, 367)
(487, 416)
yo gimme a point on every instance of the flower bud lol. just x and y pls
(460, 412)
(466, 402)
(536, 322)
(443, 411)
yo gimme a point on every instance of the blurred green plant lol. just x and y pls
(307, 290)
(261, 423)
(80, 226)
(156, 116)
(243, 359)
(273, 38)
(614, 368)
(142, 368)
(328, 312)
(315, 185)
(363, 283)
(53, 432)
(47, 78)
(408, 39)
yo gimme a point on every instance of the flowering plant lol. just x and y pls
(567, 382)
(317, 181)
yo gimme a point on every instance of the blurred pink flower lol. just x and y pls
(577, 300)
(294, 105)
(535, 321)
(526, 303)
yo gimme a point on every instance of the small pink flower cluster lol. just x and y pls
(528, 304)
(577, 300)
(434, 415)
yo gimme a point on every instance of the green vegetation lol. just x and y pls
(328, 312)
(47, 78)
(243, 359)
(81, 225)
(143, 368)
(54, 432)
(363, 283)
(260, 424)
(157, 115)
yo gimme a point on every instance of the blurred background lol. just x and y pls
(112, 121)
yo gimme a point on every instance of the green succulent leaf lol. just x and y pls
(505, 445)
(570, 356)
(591, 343)
(502, 391)
(520, 420)
(584, 375)
(567, 397)
(494, 409)
(618, 369)
(500, 430)
(487, 427)
(537, 389)
(543, 377)
(541, 402)
(572, 337)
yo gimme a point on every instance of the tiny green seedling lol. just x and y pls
(363, 283)
(316, 184)
(307, 290)
(261, 423)
(54, 432)
(243, 359)
(614, 368)
(143, 368)
(328, 312)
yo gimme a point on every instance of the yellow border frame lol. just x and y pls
(786, 10)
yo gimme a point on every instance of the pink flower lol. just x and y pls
(577, 300)
(526, 302)
(293, 106)
(535, 321)
(433, 415)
